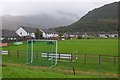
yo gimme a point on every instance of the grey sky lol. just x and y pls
(66, 7)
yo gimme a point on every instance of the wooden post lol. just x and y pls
(84, 58)
(29, 68)
(47, 56)
(69, 64)
(8, 53)
(17, 53)
(71, 57)
(99, 59)
(59, 57)
(74, 71)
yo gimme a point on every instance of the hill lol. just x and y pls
(43, 21)
(104, 18)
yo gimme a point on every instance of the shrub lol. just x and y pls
(79, 37)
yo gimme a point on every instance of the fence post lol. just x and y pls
(74, 71)
(99, 59)
(29, 68)
(71, 57)
(69, 64)
(76, 55)
(17, 53)
(84, 58)
(47, 56)
(59, 57)
(8, 53)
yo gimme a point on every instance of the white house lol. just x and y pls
(84, 35)
(49, 33)
(108, 35)
(26, 31)
(113, 35)
(103, 35)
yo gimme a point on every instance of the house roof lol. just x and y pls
(76, 33)
(29, 29)
(8, 33)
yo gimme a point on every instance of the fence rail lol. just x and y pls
(86, 58)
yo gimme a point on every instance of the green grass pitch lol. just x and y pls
(84, 46)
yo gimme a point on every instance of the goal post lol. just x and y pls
(42, 52)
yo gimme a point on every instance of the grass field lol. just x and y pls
(64, 69)
(10, 72)
(88, 46)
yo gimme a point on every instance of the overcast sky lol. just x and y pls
(33, 7)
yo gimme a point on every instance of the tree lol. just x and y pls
(38, 34)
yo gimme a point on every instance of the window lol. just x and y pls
(20, 33)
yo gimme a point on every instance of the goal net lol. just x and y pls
(42, 52)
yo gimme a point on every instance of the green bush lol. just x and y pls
(79, 37)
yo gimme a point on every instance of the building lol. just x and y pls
(49, 33)
(8, 35)
(26, 31)
(113, 35)
(76, 34)
(108, 35)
